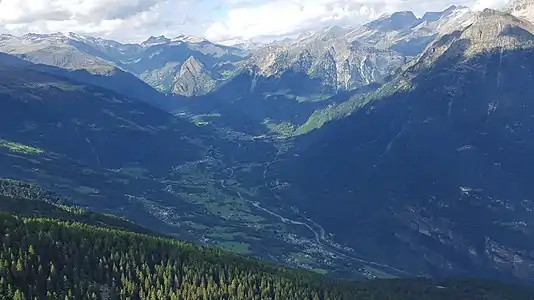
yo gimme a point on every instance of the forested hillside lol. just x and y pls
(29, 200)
(49, 251)
(51, 259)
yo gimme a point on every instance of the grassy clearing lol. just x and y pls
(320, 271)
(284, 129)
(204, 119)
(208, 192)
(20, 148)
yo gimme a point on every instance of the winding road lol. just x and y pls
(320, 237)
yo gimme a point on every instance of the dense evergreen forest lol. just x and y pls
(25, 199)
(50, 250)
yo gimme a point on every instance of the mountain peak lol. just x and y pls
(192, 64)
(403, 14)
(490, 30)
(435, 16)
(333, 32)
(82, 37)
(78, 36)
(5, 36)
(58, 36)
(396, 21)
(497, 20)
(188, 39)
(155, 40)
(194, 79)
(496, 29)
(329, 33)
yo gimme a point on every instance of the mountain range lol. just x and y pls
(439, 157)
(309, 70)
(341, 58)
(400, 148)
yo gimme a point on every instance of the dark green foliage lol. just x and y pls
(33, 201)
(50, 259)
(56, 251)
(24, 190)
(355, 100)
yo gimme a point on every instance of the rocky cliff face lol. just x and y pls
(404, 32)
(194, 79)
(343, 58)
(491, 30)
(328, 57)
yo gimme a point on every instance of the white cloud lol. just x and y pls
(280, 17)
(286, 17)
(135, 20)
(120, 19)
(27, 11)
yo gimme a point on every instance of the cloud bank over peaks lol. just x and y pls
(216, 20)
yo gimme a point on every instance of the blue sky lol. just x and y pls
(216, 20)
